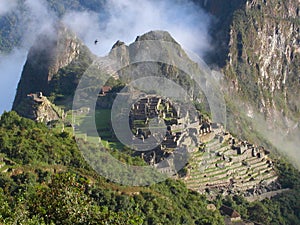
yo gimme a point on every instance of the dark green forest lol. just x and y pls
(45, 180)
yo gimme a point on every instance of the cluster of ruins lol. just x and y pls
(161, 111)
(218, 162)
(225, 165)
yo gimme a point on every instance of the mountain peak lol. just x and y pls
(156, 35)
(118, 44)
(52, 51)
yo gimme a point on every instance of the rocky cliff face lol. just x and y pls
(222, 11)
(258, 50)
(51, 52)
(263, 59)
(163, 48)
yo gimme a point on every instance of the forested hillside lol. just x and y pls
(45, 180)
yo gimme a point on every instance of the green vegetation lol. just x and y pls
(45, 180)
(48, 182)
(27, 142)
(64, 83)
(283, 209)
(249, 30)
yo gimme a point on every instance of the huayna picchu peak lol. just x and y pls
(50, 53)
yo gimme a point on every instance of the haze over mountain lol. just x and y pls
(107, 23)
(269, 92)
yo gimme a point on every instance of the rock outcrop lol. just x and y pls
(37, 107)
(264, 55)
(50, 53)
(259, 52)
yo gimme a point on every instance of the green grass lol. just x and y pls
(103, 118)
(102, 121)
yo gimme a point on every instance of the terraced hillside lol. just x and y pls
(218, 163)
(226, 166)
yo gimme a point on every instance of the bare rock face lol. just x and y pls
(66, 50)
(264, 55)
(257, 46)
(51, 52)
(121, 51)
(133, 59)
(156, 35)
(37, 107)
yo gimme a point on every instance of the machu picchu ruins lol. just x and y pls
(218, 163)
(224, 165)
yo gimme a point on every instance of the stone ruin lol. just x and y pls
(37, 107)
(225, 165)
(218, 163)
(182, 131)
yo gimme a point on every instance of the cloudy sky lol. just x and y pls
(122, 20)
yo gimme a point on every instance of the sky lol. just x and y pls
(123, 20)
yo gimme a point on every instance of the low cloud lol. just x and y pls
(7, 5)
(35, 17)
(86, 25)
(126, 19)
(282, 133)
(283, 136)
(38, 18)
(122, 20)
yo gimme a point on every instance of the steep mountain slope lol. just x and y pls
(223, 160)
(57, 77)
(264, 56)
(45, 180)
(42, 70)
(265, 76)
(258, 44)
(220, 30)
(257, 49)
